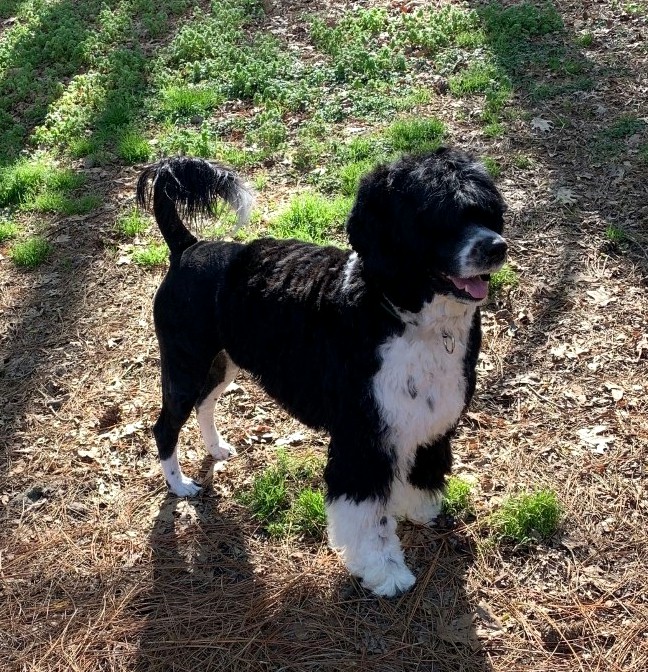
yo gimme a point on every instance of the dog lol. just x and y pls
(377, 345)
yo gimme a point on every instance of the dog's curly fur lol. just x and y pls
(377, 345)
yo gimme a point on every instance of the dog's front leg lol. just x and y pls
(364, 533)
(417, 495)
(418, 505)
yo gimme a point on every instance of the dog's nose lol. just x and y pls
(497, 250)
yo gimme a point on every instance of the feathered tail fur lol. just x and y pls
(184, 187)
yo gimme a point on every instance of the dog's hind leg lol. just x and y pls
(222, 373)
(181, 387)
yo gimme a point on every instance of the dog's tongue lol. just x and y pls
(475, 286)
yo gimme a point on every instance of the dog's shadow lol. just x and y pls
(223, 597)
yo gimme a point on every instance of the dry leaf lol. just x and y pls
(459, 631)
(600, 296)
(559, 351)
(593, 436)
(565, 196)
(540, 124)
(614, 390)
(490, 623)
(293, 439)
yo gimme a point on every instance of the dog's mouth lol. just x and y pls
(474, 287)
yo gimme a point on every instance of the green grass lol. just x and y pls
(309, 513)
(614, 234)
(31, 252)
(132, 223)
(154, 254)
(522, 162)
(101, 96)
(609, 142)
(187, 101)
(505, 278)
(635, 8)
(526, 516)
(285, 498)
(8, 230)
(475, 78)
(457, 497)
(585, 39)
(312, 217)
(133, 147)
(527, 46)
(40, 186)
(359, 148)
(624, 127)
(416, 135)
(351, 173)
(57, 202)
(22, 181)
(493, 167)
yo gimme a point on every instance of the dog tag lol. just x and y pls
(449, 342)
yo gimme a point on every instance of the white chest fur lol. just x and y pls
(421, 385)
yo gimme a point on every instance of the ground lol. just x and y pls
(100, 568)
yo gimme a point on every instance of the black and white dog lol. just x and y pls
(377, 345)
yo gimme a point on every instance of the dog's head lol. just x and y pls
(427, 225)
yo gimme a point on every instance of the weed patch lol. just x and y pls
(493, 167)
(186, 102)
(38, 185)
(58, 202)
(614, 234)
(131, 224)
(133, 147)
(270, 131)
(351, 174)
(31, 252)
(505, 278)
(609, 142)
(313, 218)
(285, 497)
(22, 180)
(416, 135)
(8, 230)
(524, 517)
(457, 497)
(154, 254)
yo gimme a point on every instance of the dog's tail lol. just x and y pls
(186, 187)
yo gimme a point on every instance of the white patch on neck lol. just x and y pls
(420, 387)
(349, 270)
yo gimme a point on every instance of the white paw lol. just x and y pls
(184, 487)
(389, 579)
(223, 451)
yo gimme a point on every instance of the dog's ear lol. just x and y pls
(368, 226)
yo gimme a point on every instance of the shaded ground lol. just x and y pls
(100, 569)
